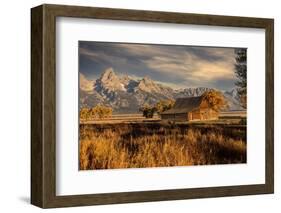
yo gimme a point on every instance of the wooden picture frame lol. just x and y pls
(43, 105)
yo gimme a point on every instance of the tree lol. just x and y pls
(148, 111)
(97, 112)
(215, 100)
(101, 112)
(84, 113)
(164, 105)
(161, 106)
(241, 74)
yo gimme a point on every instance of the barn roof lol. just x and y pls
(184, 105)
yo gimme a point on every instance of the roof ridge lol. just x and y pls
(183, 105)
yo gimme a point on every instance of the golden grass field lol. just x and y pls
(140, 145)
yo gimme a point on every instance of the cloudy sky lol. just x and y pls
(172, 65)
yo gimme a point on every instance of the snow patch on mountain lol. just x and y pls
(126, 95)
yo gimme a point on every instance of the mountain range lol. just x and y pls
(126, 94)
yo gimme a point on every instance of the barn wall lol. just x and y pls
(181, 117)
(203, 114)
(208, 114)
(189, 116)
(196, 115)
(174, 117)
(213, 114)
(167, 116)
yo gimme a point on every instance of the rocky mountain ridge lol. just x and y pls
(126, 95)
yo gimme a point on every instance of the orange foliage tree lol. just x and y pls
(164, 105)
(101, 112)
(97, 112)
(216, 100)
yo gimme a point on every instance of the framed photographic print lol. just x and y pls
(136, 106)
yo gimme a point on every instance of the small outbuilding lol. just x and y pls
(190, 109)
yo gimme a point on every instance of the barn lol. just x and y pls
(190, 109)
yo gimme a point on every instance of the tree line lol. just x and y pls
(161, 106)
(97, 112)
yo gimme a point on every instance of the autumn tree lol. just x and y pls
(164, 105)
(101, 112)
(84, 113)
(97, 112)
(241, 74)
(161, 106)
(215, 100)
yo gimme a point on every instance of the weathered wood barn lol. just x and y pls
(190, 109)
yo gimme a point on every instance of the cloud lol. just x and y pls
(143, 50)
(84, 83)
(182, 66)
(102, 57)
(190, 66)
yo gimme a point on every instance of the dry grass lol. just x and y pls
(139, 146)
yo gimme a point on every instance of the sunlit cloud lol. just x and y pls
(173, 65)
(84, 83)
